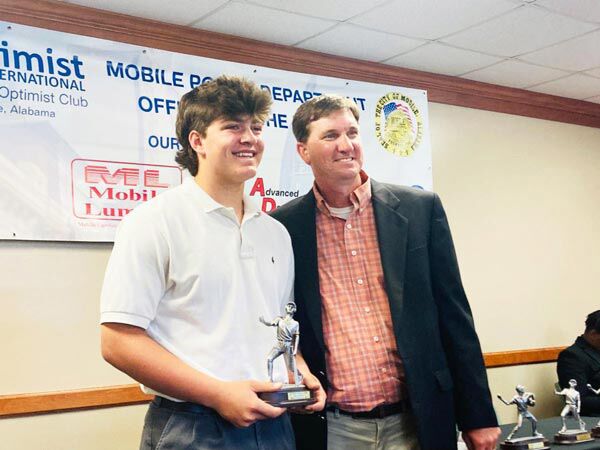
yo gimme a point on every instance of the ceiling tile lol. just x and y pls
(587, 10)
(439, 58)
(263, 24)
(580, 53)
(430, 19)
(515, 74)
(330, 9)
(184, 13)
(520, 31)
(574, 86)
(356, 42)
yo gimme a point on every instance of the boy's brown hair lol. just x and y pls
(225, 97)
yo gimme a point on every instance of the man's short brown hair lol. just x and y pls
(225, 97)
(318, 107)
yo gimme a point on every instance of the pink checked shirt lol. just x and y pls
(363, 365)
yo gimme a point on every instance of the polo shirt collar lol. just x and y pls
(360, 197)
(208, 204)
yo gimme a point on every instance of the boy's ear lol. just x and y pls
(197, 143)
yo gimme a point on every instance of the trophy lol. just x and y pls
(572, 408)
(596, 429)
(288, 337)
(523, 400)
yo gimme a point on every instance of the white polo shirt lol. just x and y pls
(184, 269)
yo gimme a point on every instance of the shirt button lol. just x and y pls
(359, 281)
(367, 309)
(376, 338)
(349, 226)
(353, 252)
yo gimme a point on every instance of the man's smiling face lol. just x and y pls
(333, 148)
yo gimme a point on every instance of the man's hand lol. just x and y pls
(238, 403)
(312, 383)
(481, 438)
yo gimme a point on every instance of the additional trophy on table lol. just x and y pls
(288, 337)
(572, 408)
(523, 400)
(596, 429)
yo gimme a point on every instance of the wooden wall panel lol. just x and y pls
(105, 397)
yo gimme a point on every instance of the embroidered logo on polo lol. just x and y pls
(398, 124)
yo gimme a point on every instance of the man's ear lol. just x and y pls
(302, 150)
(197, 143)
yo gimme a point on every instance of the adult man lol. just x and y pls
(384, 320)
(190, 273)
(581, 362)
(287, 342)
(523, 400)
(572, 405)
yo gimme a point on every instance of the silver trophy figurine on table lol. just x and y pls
(288, 338)
(571, 408)
(596, 429)
(523, 400)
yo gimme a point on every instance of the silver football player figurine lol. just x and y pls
(288, 338)
(523, 400)
(572, 408)
(572, 405)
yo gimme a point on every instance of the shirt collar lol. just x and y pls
(360, 197)
(208, 204)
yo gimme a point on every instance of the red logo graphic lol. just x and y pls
(109, 190)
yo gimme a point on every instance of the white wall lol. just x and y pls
(102, 429)
(522, 199)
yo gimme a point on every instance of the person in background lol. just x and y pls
(384, 319)
(581, 362)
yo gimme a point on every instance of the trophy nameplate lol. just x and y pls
(526, 443)
(570, 437)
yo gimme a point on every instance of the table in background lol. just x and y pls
(549, 427)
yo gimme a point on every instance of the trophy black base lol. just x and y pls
(596, 432)
(525, 443)
(570, 437)
(289, 395)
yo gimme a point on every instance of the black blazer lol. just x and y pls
(581, 362)
(436, 339)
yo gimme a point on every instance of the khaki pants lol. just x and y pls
(395, 432)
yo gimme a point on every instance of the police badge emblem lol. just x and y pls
(398, 124)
